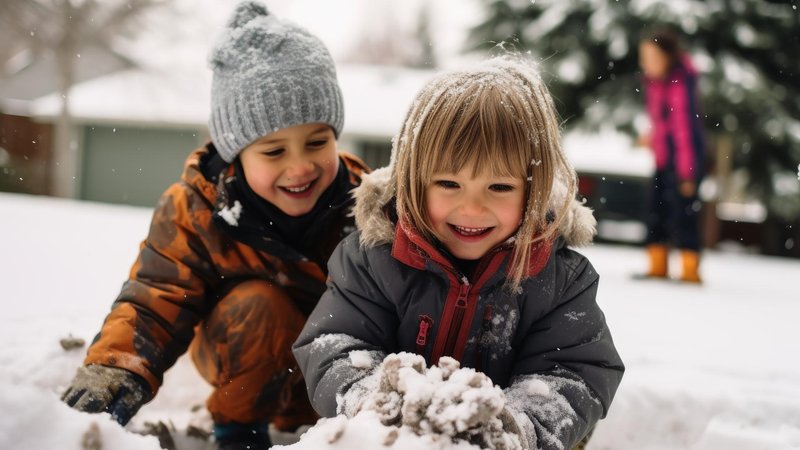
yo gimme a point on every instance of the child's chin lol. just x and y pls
(467, 254)
(296, 212)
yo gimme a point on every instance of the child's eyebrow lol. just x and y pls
(321, 129)
(270, 141)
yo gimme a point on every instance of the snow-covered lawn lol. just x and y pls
(711, 367)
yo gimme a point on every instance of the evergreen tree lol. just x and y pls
(748, 53)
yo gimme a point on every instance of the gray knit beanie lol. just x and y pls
(269, 74)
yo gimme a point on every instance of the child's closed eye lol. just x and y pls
(501, 187)
(446, 184)
(274, 152)
(317, 143)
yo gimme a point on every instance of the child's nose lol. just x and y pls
(299, 169)
(472, 206)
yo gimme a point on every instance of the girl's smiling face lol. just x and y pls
(469, 214)
(292, 167)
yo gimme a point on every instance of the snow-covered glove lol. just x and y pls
(116, 391)
(512, 426)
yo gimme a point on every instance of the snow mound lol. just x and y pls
(441, 407)
(35, 418)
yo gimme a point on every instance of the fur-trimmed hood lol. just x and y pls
(376, 190)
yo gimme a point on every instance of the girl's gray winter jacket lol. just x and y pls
(391, 291)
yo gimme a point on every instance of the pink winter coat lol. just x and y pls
(674, 112)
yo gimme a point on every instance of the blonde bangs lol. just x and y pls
(480, 130)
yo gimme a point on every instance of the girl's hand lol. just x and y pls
(687, 188)
(642, 141)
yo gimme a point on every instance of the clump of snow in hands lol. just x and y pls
(441, 407)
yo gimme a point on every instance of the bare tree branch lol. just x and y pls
(64, 27)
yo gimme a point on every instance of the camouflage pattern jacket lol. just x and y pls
(188, 262)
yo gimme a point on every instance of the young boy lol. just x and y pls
(235, 257)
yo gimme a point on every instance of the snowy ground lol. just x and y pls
(709, 367)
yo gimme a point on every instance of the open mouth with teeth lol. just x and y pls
(299, 191)
(469, 232)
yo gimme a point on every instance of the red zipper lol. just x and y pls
(425, 323)
(458, 318)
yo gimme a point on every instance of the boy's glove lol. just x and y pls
(116, 391)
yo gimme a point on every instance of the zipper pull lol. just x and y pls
(425, 323)
(461, 301)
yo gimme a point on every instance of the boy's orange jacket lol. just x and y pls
(187, 263)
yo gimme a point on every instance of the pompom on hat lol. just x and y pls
(269, 74)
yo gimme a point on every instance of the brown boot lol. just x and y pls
(658, 254)
(691, 264)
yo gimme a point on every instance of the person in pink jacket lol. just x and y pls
(676, 138)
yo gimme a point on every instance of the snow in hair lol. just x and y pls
(497, 116)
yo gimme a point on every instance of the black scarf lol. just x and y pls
(292, 229)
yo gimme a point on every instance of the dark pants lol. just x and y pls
(672, 218)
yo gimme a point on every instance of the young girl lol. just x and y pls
(235, 257)
(677, 142)
(462, 252)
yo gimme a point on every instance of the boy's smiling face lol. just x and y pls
(471, 215)
(292, 167)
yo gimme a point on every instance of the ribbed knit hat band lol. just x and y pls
(269, 74)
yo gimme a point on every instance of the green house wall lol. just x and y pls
(131, 165)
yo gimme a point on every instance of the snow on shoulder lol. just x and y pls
(443, 407)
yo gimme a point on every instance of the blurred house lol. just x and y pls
(25, 144)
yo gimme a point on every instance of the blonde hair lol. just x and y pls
(498, 116)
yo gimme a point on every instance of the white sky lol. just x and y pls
(339, 24)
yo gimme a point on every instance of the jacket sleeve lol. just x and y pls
(349, 332)
(568, 369)
(152, 321)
